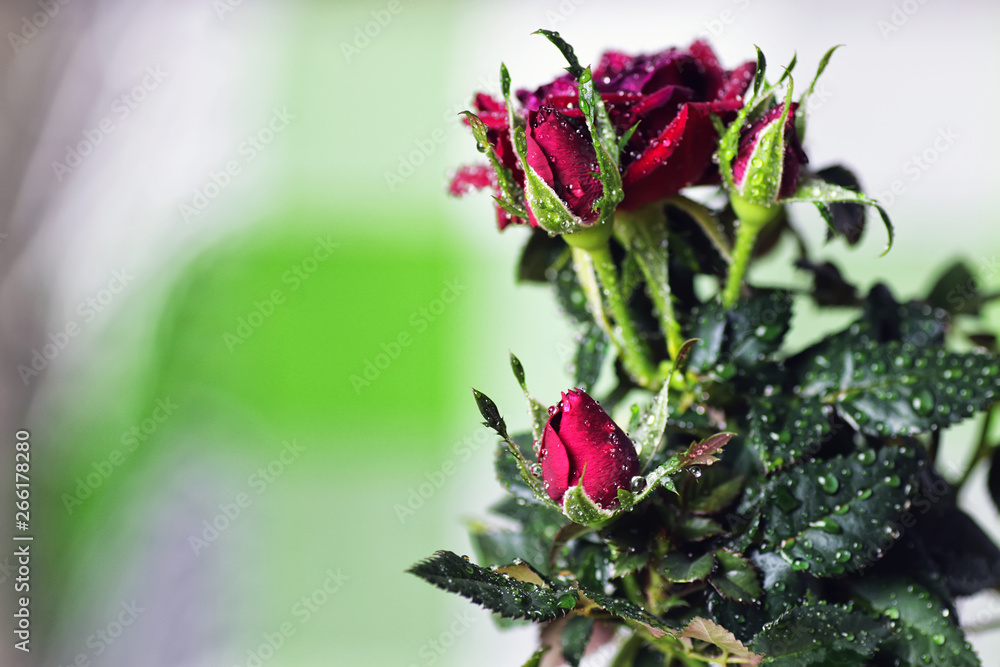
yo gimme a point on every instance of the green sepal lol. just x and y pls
(580, 509)
(492, 419)
(511, 198)
(800, 114)
(539, 413)
(602, 132)
(761, 184)
(574, 68)
(821, 192)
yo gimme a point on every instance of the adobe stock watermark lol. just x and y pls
(131, 439)
(563, 11)
(431, 651)
(30, 25)
(424, 147)
(899, 16)
(420, 320)
(461, 452)
(295, 276)
(59, 340)
(918, 165)
(102, 638)
(716, 26)
(246, 152)
(224, 7)
(302, 611)
(258, 482)
(121, 108)
(364, 34)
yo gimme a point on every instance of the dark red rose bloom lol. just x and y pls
(580, 435)
(670, 94)
(794, 156)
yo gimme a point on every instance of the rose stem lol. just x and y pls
(633, 350)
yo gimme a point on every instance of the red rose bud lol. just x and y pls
(580, 439)
(769, 160)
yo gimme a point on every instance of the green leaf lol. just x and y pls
(848, 219)
(575, 635)
(710, 632)
(840, 515)
(735, 578)
(497, 592)
(717, 496)
(496, 546)
(508, 471)
(541, 256)
(786, 429)
(821, 192)
(591, 351)
(682, 568)
(902, 389)
(926, 633)
(754, 329)
(792, 640)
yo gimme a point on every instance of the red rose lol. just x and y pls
(580, 439)
(671, 95)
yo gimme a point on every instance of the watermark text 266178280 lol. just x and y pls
(22, 552)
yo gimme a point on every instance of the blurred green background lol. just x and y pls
(258, 435)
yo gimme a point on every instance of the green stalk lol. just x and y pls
(751, 219)
(631, 348)
(644, 233)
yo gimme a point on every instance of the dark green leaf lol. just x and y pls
(900, 389)
(926, 632)
(683, 568)
(575, 635)
(735, 578)
(716, 497)
(830, 288)
(497, 592)
(541, 253)
(754, 329)
(837, 516)
(848, 218)
(785, 429)
(570, 295)
(499, 547)
(965, 556)
(628, 611)
(507, 470)
(956, 291)
(845, 637)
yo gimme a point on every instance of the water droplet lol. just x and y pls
(892, 613)
(638, 483)
(695, 471)
(866, 457)
(938, 639)
(536, 469)
(829, 483)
